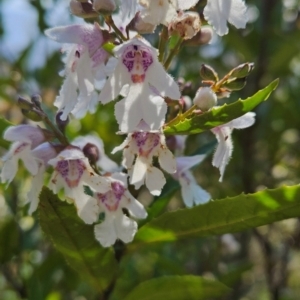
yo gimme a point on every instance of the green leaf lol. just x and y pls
(219, 115)
(76, 241)
(9, 240)
(223, 216)
(178, 288)
(3, 125)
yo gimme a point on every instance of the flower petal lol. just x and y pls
(105, 232)
(125, 228)
(36, 187)
(244, 121)
(89, 211)
(114, 83)
(162, 81)
(136, 209)
(224, 149)
(155, 181)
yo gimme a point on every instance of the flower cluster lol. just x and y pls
(111, 63)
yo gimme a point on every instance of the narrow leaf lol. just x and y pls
(76, 241)
(223, 216)
(220, 115)
(178, 288)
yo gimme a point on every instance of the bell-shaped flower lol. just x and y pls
(219, 12)
(93, 148)
(24, 138)
(72, 172)
(148, 82)
(223, 134)
(163, 11)
(191, 192)
(139, 149)
(116, 224)
(85, 67)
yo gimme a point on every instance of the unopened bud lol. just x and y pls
(208, 73)
(203, 37)
(33, 114)
(61, 124)
(139, 25)
(242, 71)
(185, 25)
(205, 98)
(36, 99)
(235, 85)
(91, 151)
(83, 9)
(104, 6)
(24, 103)
(171, 142)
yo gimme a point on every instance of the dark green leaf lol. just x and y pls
(9, 240)
(178, 288)
(220, 115)
(76, 241)
(222, 216)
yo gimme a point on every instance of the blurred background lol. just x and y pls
(259, 264)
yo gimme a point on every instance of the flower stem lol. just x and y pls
(181, 117)
(163, 38)
(110, 22)
(59, 135)
(173, 53)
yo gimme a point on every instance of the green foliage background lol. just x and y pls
(257, 263)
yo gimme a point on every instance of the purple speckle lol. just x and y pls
(118, 190)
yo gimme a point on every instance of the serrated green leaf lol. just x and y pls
(220, 115)
(76, 241)
(223, 216)
(178, 288)
(3, 125)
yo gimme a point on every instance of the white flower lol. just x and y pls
(102, 161)
(190, 190)
(163, 11)
(144, 146)
(84, 68)
(72, 172)
(148, 82)
(218, 12)
(225, 146)
(24, 138)
(116, 224)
